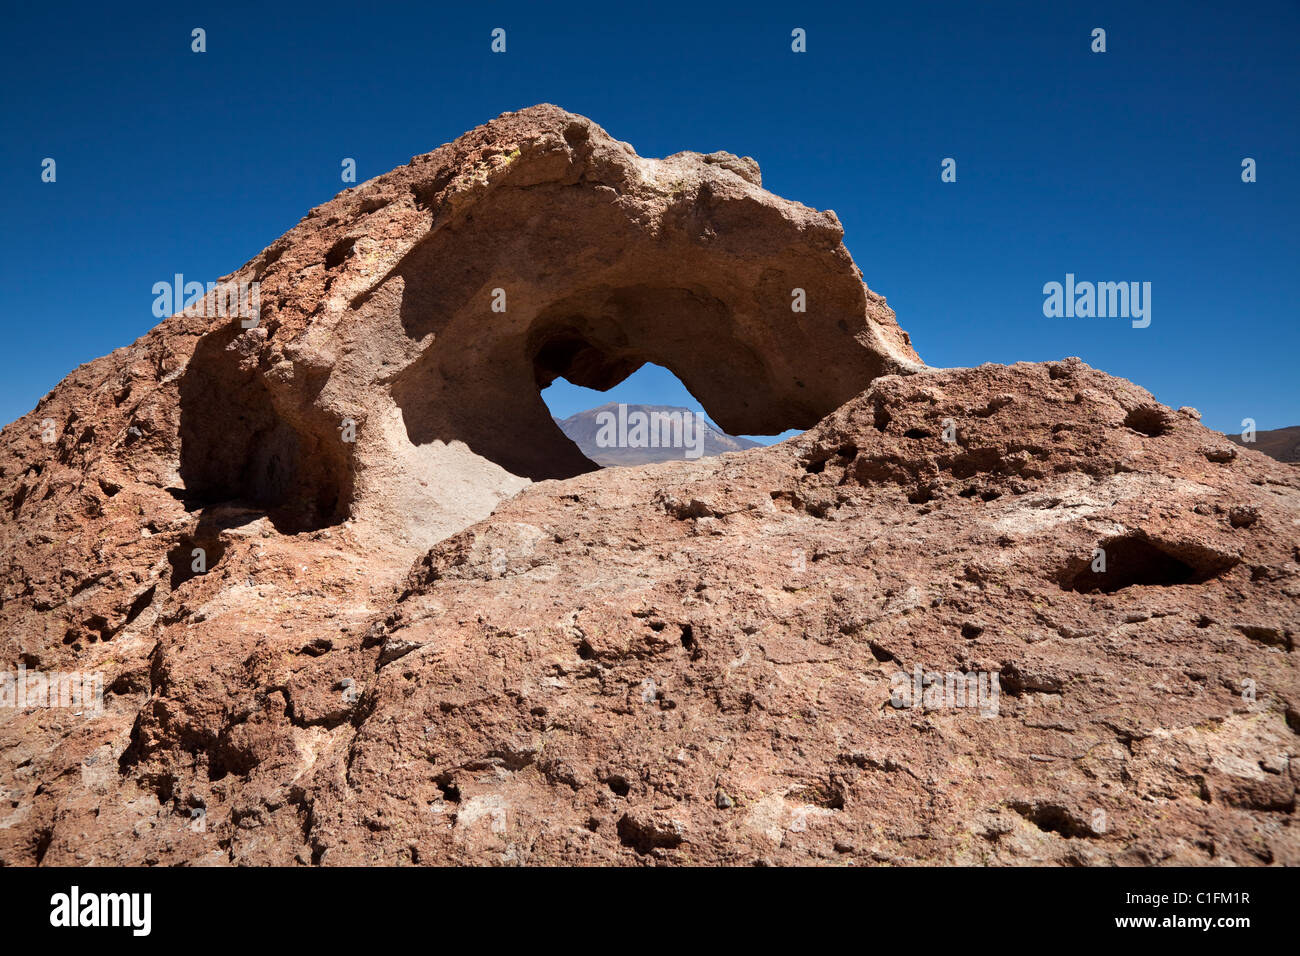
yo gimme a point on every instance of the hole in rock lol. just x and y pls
(182, 558)
(1052, 818)
(1134, 560)
(676, 350)
(548, 287)
(339, 252)
(648, 417)
(1151, 420)
(690, 643)
(239, 451)
(448, 787)
(643, 836)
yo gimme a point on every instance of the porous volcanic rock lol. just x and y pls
(692, 661)
(402, 651)
(377, 322)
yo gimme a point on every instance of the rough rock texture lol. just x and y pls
(377, 310)
(685, 662)
(691, 662)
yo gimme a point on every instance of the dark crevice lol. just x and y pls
(339, 252)
(1134, 560)
(1052, 818)
(239, 452)
(1149, 420)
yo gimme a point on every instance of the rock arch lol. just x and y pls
(378, 308)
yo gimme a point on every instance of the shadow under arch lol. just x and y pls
(240, 452)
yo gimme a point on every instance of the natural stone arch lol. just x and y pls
(381, 311)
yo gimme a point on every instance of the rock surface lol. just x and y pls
(401, 651)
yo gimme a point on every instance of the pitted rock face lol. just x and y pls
(429, 306)
(690, 662)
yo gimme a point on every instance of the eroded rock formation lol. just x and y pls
(386, 660)
(430, 305)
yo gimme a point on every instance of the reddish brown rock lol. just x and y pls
(686, 662)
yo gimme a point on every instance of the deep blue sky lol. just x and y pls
(1115, 166)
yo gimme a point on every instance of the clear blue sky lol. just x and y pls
(1117, 166)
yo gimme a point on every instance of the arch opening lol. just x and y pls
(430, 307)
(647, 418)
(488, 395)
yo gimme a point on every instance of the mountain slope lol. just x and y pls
(597, 435)
(1280, 443)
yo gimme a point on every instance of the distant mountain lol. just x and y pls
(620, 434)
(1280, 443)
